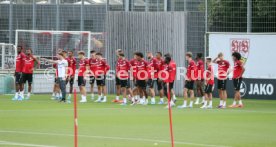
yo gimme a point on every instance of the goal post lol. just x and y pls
(46, 42)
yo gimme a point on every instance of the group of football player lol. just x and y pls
(136, 78)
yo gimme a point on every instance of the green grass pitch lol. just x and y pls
(41, 122)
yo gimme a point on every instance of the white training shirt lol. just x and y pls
(62, 65)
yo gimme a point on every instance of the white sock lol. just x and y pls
(133, 99)
(203, 98)
(205, 104)
(191, 103)
(29, 94)
(174, 98)
(53, 95)
(125, 100)
(185, 103)
(92, 95)
(224, 103)
(153, 99)
(240, 102)
(83, 97)
(234, 102)
(16, 95)
(117, 98)
(197, 99)
(22, 93)
(221, 102)
(137, 97)
(161, 99)
(210, 103)
(104, 97)
(57, 94)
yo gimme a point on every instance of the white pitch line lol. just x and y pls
(115, 138)
(118, 108)
(22, 144)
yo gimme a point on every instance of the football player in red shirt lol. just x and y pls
(71, 71)
(93, 66)
(100, 74)
(123, 75)
(83, 73)
(209, 85)
(18, 73)
(237, 79)
(200, 80)
(142, 76)
(117, 80)
(133, 76)
(28, 70)
(168, 75)
(223, 71)
(191, 76)
(153, 75)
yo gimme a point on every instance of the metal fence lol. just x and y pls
(144, 32)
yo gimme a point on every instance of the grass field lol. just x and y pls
(41, 122)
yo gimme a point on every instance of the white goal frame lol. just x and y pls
(55, 32)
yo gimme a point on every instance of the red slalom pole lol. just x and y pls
(75, 119)
(170, 114)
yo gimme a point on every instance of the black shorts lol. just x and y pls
(125, 83)
(27, 77)
(18, 77)
(208, 89)
(237, 84)
(70, 79)
(150, 83)
(141, 84)
(117, 81)
(222, 84)
(92, 80)
(189, 85)
(81, 81)
(100, 80)
(166, 88)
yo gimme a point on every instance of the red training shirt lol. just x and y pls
(82, 67)
(28, 65)
(93, 65)
(142, 73)
(191, 71)
(122, 69)
(223, 67)
(210, 75)
(200, 69)
(20, 62)
(71, 65)
(238, 67)
(101, 67)
(169, 72)
(133, 64)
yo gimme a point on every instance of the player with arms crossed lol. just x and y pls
(62, 66)
(209, 85)
(93, 66)
(168, 74)
(155, 64)
(71, 72)
(133, 73)
(100, 74)
(123, 75)
(223, 70)
(200, 80)
(83, 70)
(189, 81)
(237, 79)
(142, 76)
(28, 69)
(18, 74)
